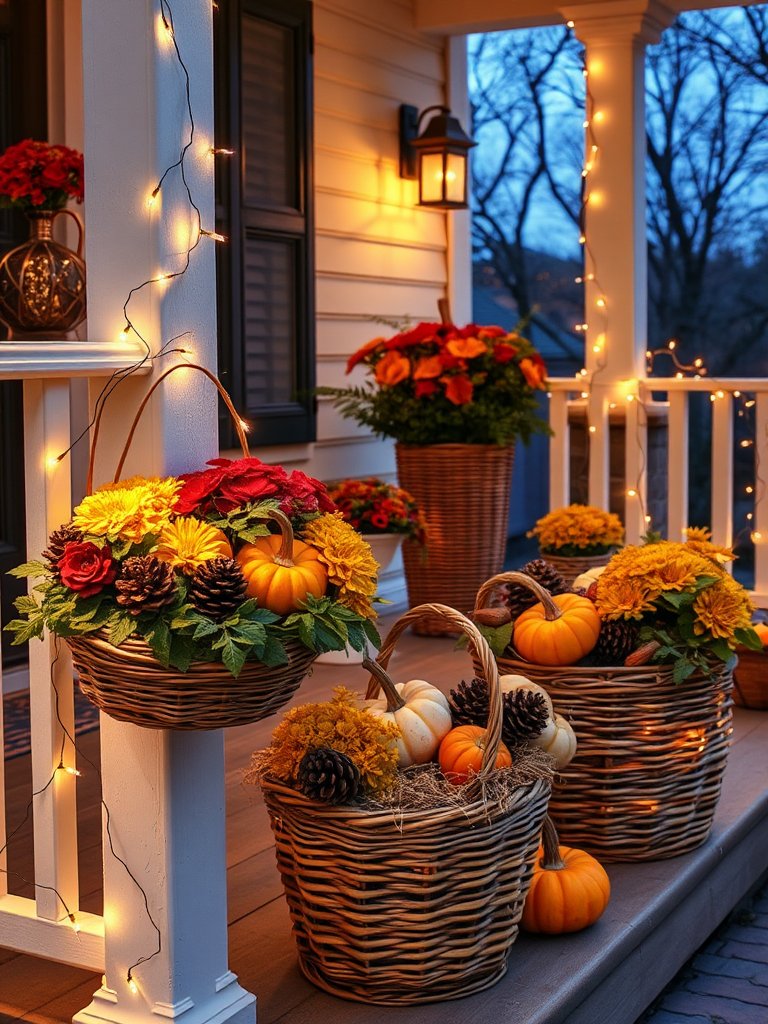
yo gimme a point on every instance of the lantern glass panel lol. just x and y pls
(455, 172)
(432, 175)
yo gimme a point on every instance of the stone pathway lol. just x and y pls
(727, 980)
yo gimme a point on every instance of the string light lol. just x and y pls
(214, 235)
(220, 151)
(75, 924)
(131, 983)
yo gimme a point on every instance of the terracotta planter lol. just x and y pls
(463, 491)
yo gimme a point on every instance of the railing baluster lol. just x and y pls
(635, 470)
(761, 501)
(559, 451)
(48, 500)
(599, 447)
(677, 465)
(722, 469)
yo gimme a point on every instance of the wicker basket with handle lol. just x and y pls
(651, 754)
(395, 906)
(570, 567)
(128, 683)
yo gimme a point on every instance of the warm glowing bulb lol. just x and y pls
(590, 277)
(585, 124)
(630, 398)
(749, 517)
(246, 426)
(756, 536)
(611, 405)
(582, 239)
(596, 349)
(570, 24)
(679, 375)
(698, 362)
(593, 148)
(583, 372)
(745, 444)
(585, 394)
(631, 492)
(70, 770)
(218, 151)
(578, 280)
(671, 345)
(75, 925)
(152, 197)
(648, 354)
(592, 429)
(647, 519)
(599, 116)
(214, 235)
(749, 489)
(132, 985)
(719, 394)
(749, 404)
(600, 303)
(52, 461)
(737, 394)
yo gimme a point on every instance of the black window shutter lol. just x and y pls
(263, 78)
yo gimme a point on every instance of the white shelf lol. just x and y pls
(30, 360)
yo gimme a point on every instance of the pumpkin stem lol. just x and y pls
(551, 610)
(284, 554)
(380, 679)
(551, 861)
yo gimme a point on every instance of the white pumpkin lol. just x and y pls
(510, 683)
(423, 720)
(585, 580)
(560, 742)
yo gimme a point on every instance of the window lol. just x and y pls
(263, 76)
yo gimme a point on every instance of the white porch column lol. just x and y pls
(615, 35)
(164, 790)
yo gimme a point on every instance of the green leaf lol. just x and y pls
(30, 569)
(26, 605)
(720, 649)
(120, 628)
(25, 629)
(205, 627)
(158, 636)
(232, 655)
(274, 653)
(372, 633)
(252, 632)
(682, 670)
(498, 637)
(180, 654)
(747, 637)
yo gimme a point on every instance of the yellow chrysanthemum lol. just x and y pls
(623, 599)
(188, 543)
(698, 534)
(113, 514)
(712, 551)
(156, 494)
(578, 526)
(721, 609)
(348, 558)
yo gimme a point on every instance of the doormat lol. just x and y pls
(16, 721)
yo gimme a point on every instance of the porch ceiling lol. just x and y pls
(454, 17)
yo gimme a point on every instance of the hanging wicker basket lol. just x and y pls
(750, 680)
(646, 778)
(394, 906)
(463, 491)
(128, 683)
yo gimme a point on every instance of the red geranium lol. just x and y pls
(86, 568)
(38, 175)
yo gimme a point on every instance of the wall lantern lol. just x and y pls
(438, 157)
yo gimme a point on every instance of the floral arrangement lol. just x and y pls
(439, 384)
(36, 175)
(683, 601)
(192, 565)
(578, 530)
(372, 507)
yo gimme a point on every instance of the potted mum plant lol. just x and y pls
(386, 515)
(577, 538)
(455, 400)
(49, 298)
(200, 601)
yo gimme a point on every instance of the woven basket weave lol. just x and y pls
(750, 680)
(651, 754)
(570, 568)
(463, 491)
(409, 906)
(130, 684)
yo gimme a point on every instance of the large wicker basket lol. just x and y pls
(130, 684)
(463, 491)
(750, 680)
(651, 754)
(409, 906)
(571, 567)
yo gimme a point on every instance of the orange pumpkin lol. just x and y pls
(461, 752)
(561, 632)
(569, 888)
(281, 571)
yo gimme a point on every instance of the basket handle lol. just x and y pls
(477, 647)
(551, 611)
(237, 422)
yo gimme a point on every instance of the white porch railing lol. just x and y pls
(634, 399)
(41, 926)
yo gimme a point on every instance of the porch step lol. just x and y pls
(660, 913)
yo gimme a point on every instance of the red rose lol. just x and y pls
(458, 389)
(504, 353)
(197, 489)
(246, 480)
(86, 568)
(424, 388)
(305, 494)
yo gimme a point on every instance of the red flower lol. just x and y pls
(424, 388)
(416, 336)
(458, 389)
(356, 357)
(392, 369)
(504, 353)
(198, 487)
(380, 521)
(428, 367)
(246, 480)
(305, 494)
(535, 372)
(86, 568)
(37, 174)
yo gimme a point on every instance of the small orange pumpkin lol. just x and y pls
(559, 632)
(281, 572)
(461, 752)
(569, 888)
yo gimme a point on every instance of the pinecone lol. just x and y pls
(617, 639)
(519, 598)
(217, 588)
(66, 534)
(145, 585)
(328, 775)
(524, 713)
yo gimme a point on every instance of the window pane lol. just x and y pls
(268, 114)
(270, 299)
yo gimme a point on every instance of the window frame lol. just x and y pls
(294, 421)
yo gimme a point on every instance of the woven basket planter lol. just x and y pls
(750, 680)
(463, 491)
(130, 684)
(570, 568)
(645, 781)
(397, 907)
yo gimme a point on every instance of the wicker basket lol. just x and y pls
(411, 906)
(463, 491)
(750, 680)
(570, 568)
(130, 684)
(646, 777)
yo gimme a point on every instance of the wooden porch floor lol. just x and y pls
(660, 911)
